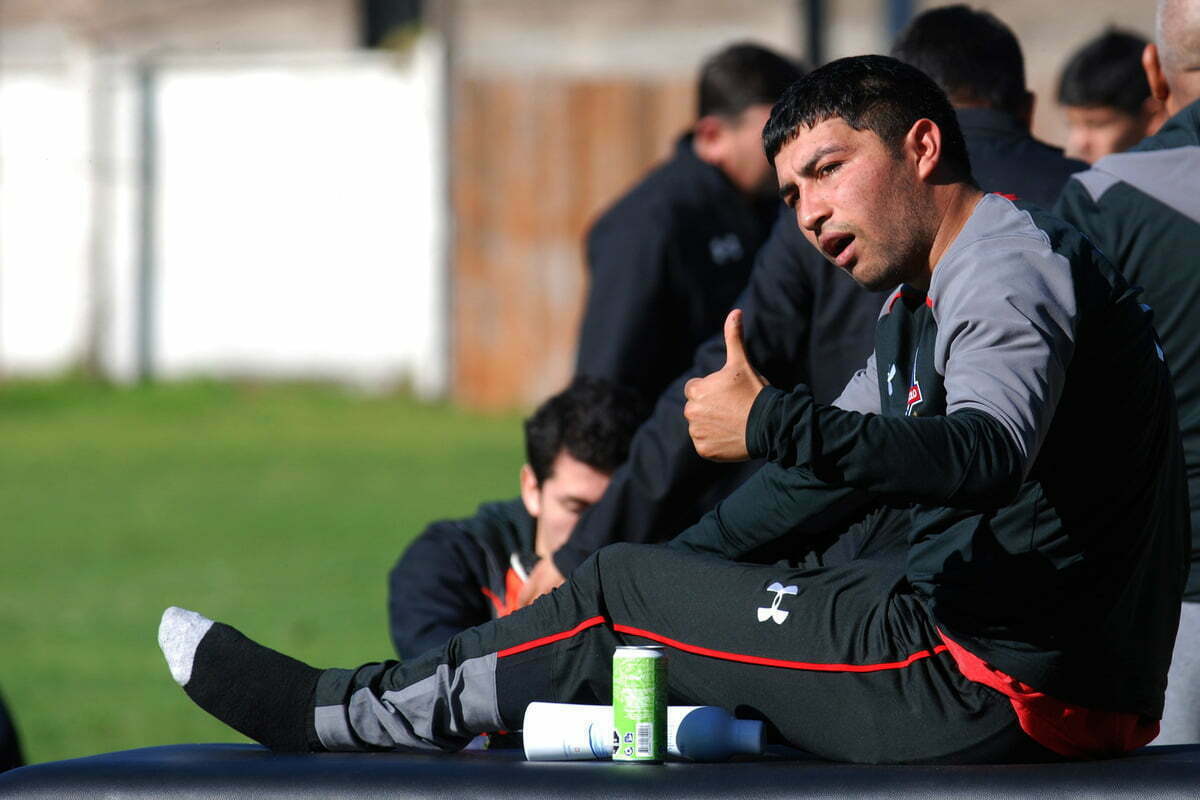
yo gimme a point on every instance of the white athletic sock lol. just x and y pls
(179, 635)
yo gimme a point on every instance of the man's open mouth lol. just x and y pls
(836, 245)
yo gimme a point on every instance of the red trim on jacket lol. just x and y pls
(1067, 729)
(900, 293)
(512, 590)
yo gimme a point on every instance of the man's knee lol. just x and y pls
(621, 557)
(614, 559)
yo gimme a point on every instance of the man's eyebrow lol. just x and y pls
(811, 167)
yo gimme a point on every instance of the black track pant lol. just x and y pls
(843, 661)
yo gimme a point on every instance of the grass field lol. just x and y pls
(278, 509)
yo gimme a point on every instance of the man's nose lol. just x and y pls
(811, 212)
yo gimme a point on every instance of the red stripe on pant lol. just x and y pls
(721, 654)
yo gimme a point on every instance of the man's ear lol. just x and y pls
(531, 493)
(924, 141)
(708, 139)
(1159, 87)
(1153, 114)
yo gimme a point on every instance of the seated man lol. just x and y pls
(1016, 417)
(1106, 97)
(807, 323)
(461, 573)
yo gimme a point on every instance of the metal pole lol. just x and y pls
(443, 16)
(99, 234)
(815, 12)
(899, 12)
(148, 144)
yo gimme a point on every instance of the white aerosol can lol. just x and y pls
(571, 732)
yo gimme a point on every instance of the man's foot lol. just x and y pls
(261, 693)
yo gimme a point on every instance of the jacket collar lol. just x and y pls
(990, 119)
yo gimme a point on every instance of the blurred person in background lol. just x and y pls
(10, 748)
(462, 573)
(1106, 97)
(1142, 209)
(977, 61)
(671, 255)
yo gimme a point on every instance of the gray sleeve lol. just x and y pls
(862, 392)
(1007, 334)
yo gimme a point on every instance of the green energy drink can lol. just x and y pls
(639, 704)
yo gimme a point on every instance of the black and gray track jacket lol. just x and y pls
(1022, 411)
(1142, 210)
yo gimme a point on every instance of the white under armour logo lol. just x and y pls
(772, 611)
(891, 375)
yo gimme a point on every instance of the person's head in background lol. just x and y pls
(1106, 97)
(737, 88)
(1172, 61)
(972, 55)
(573, 443)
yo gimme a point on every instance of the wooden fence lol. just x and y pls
(534, 162)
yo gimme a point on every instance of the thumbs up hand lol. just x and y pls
(718, 405)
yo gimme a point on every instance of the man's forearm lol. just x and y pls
(774, 502)
(964, 459)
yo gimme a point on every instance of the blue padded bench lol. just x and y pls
(250, 772)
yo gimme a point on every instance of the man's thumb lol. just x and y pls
(735, 348)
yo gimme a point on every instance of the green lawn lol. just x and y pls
(278, 509)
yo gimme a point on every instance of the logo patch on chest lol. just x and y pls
(914, 398)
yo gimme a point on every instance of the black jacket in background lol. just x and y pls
(1142, 209)
(665, 262)
(458, 574)
(1005, 158)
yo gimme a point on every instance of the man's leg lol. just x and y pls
(843, 661)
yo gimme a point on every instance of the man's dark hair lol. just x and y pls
(1106, 72)
(592, 419)
(874, 93)
(743, 75)
(973, 56)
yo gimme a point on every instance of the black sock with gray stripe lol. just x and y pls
(254, 690)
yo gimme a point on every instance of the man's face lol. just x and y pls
(858, 203)
(1093, 133)
(570, 489)
(741, 152)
